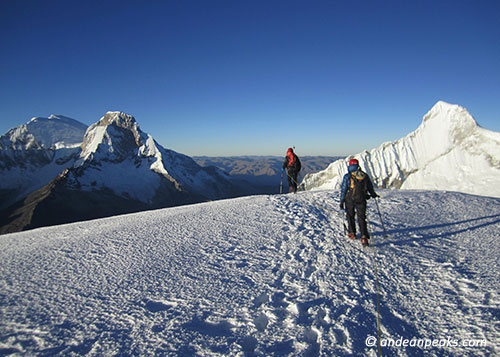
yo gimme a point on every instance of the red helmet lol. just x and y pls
(353, 162)
(290, 150)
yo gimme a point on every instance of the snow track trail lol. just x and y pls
(258, 276)
(311, 296)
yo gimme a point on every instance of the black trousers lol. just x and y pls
(292, 179)
(353, 208)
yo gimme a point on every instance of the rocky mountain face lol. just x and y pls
(448, 151)
(115, 168)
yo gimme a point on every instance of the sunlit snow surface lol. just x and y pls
(257, 276)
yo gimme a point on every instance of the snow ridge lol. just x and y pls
(448, 151)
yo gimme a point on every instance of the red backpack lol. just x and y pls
(292, 158)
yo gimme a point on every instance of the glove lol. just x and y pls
(342, 205)
(375, 196)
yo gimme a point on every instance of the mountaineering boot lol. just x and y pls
(364, 241)
(351, 235)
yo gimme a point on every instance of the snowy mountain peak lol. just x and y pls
(114, 137)
(452, 121)
(18, 139)
(448, 151)
(134, 162)
(32, 154)
(54, 117)
(120, 119)
(54, 132)
(442, 107)
(117, 169)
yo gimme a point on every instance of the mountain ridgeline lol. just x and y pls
(449, 151)
(57, 170)
(50, 177)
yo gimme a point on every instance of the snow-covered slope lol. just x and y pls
(32, 154)
(449, 151)
(259, 276)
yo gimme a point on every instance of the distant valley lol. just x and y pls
(262, 174)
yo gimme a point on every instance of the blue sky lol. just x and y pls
(251, 77)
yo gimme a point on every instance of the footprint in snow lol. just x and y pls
(261, 322)
(158, 306)
(278, 300)
(249, 344)
(261, 300)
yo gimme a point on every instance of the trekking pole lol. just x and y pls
(381, 220)
(291, 178)
(281, 182)
(342, 215)
(377, 289)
